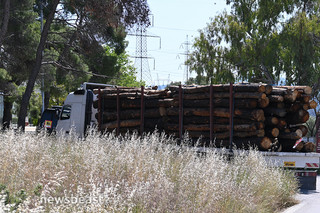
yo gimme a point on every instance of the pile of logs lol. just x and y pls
(264, 116)
(286, 114)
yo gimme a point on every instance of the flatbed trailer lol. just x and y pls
(78, 112)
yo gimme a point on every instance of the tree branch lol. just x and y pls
(76, 70)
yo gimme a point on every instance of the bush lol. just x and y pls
(132, 174)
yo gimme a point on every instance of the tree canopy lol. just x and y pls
(71, 47)
(261, 41)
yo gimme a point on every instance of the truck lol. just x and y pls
(86, 107)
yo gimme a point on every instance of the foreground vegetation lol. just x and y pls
(133, 174)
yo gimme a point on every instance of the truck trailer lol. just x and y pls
(224, 116)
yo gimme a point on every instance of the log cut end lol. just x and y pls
(265, 143)
(313, 104)
(309, 147)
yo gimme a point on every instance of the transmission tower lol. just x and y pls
(186, 46)
(141, 57)
(141, 62)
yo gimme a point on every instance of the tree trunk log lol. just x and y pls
(222, 88)
(271, 121)
(135, 103)
(216, 127)
(242, 95)
(276, 98)
(291, 135)
(298, 118)
(256, 114)
(220, 102)
(309, 147)
(274, 132)
(263, 103)
(275, 111)
(305, 89)
(133, 113)
(225, 135)
(263, 143)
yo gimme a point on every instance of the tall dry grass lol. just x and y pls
(106, 173)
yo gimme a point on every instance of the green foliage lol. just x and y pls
(38, 189)
(15, 199)
(120, 64)
(261, 41)
(74, 50)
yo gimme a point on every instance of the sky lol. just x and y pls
(173, 22)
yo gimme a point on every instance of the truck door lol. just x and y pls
(64, 123)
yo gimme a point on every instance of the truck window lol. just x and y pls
(66, 111)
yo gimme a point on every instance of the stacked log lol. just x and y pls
(264, 116)
(286, 115)
(122, 107)
(248, 117)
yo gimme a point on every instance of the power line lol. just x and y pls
(175, 29)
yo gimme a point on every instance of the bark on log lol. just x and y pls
(216, 127)
(291, 135)
(282, 123)
(135, 103)
(131, 95)
(256, 114)
(288, 144)
(263, 143)
(305, 89)
(276, 98)
(303, 129)
(112, 90)
(133, 113)
(313, 104)
(273, 132)
(124, 123)
(216, 120)
(150, 123)
(304, 98)
(269, 89)
(220, 102)
(275, 111)
(291, 97)
(299, 117)
(242, 95)
(279, 91)
(221, 88)
(263, 103)
(309, 147)
(225, 135)
(271, 121)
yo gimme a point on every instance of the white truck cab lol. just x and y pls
(77, 112)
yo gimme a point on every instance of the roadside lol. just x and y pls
(309, 201)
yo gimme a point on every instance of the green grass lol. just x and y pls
(132, 174)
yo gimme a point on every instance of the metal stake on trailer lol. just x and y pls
(180, 112)
(118, 112)
(211, 113)
(231, 111)
(142, 111)
(99, 110)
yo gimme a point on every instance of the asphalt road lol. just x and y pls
(309, 201)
